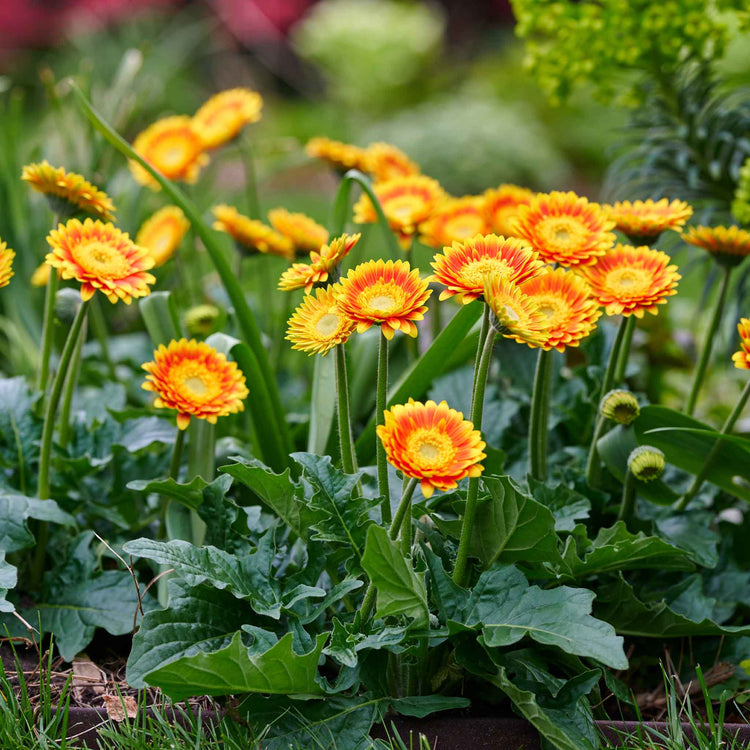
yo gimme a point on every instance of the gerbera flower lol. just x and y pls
(741, 358)
(223, 116)
(102, 257)
(565, 228)
(501, 207)
(68, 192)
(196, 380)
(162, 233)
(728, 245)
(251, 235)
(172, 146)
(321, 264)
(632, 280)
(318, 324)
(341, 156)
(456, 220)
(382, 293)
(40, 277)
(516, 315)
(463, 267)
(305, 234)
(432, 443)
(6, 263)
(385, 162)
(406, 203)
(565, 300)
(644, 221)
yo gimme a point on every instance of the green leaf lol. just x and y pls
(189, 494)
(347, 641)
(322, 404)
(140, 433)
(160, 317)
(692, 532)
(8, 579)
(15, 510)
(401, 591)
(566, 505)
(451, 599)
(20, 430)
(424, 705)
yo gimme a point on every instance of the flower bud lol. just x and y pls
(646, 463)
(201, 319)
(620, 406)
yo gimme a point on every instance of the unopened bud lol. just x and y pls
(620, 406)
(646, 463)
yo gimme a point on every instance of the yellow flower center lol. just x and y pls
(196, 385)
(382, 303)
(511, 314)
(562, 231)
(429, 448)
(328, 324)
(474, 273)
(100, 259)
(629, 281)
(381, 298)
(404, 208)
(174, 151)
(553, 308)
(464, 227)
(194, 382)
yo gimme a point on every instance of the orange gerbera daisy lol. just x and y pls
(516, 314)
(223, 116)
(632, 280)
(6, 263)
(196, 380)
(644, 221)
(728, 245)
(501, 206)
(251, 235)
(382, 293)
(305, 233)
(741, 358)
(565, 228)
(464, 266)
(101, 257)
(456, 220)
(432, 443)
(40, 277)
(68, 192)
(318, 324)
(385, 162)
(162, 233)
(565, 300)
(406, 203)
(321, 265)
(171, 146)
(341, 156)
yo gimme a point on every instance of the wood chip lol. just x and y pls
(120, 706)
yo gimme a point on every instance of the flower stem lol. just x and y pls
(485, 326)
(628, 498)
(623, 356)
(49, 321)
(700, 477)
(176, 460)
(477, 408)
(380, 405)
(436, 316)
(348, 459)
(70, 386)
(405, 531)
(713, 328)
(540, 403)
(99, 329)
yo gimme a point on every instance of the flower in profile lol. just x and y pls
(171, 146)
(68, 192)
(514, 314)
(620, 406)
(456, 220)
(305, 233)
(565, 228)
(382, 293)
(406, 203)
(565, 300)
(644, 221)
(646, 463)
(318, 324)
(251, 236)
(322, 264)
(501, 207)
(728, 245)
(741, 358)
(196, 380)
(40, 277)
(162, 233)
(463, 267)
(432, 443)
(6, 263)
(101, 257)
(341, 156)
(222, 117)
(632, 280)
(384, 162)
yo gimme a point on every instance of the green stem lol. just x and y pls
(485, 326)
(99, 329)
(169, 529)
(713, 329)
(628, 498)
(593, 467)
(436, 317)
(700, 477)
(540, 404)
(623, 356)
(380, 404)
(251, 183)
(405, 531)
(48, 328)
(70, 386)
(348, 459)
(176, 460)
(477, 408)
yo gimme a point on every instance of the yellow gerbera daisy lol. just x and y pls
(644, 221)
(632, 280)
(196, 380)
(223, 116)
(382, 293)
(251, 235)
(456, 220)
(728, 245)
(321, 265)
(565, 228)
(68, 192)
(171, 146)
(318, 324)
(385, 162)
(741, 358)
(432, 443)
(40, 277)
(463, 267)
(341, 156)
(501, 207)
(305, 233)
(516, 315)
(6, 263)
(101, 257)
(162, 233)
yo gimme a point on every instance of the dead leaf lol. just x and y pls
(115, 709)
(87, 676)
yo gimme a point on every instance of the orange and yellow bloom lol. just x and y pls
(432, 443)
(501, 207)
(341, 156)
(741, 358)
(318, 324)
(632, 280)
(224, 115)
(252, 235)
(101, 257)
(516, 315)
(728, 245)
(456, 220)
(384, 162)
(196, 380)
(321, 264)
(6, 263)
(162, 233)
(644, 221)
(305, 233)
(388, 294)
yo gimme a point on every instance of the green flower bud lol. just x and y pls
(200, 320)
(646, 463)
(67, 303)
(620, 406)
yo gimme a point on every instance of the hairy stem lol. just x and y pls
(540, 403)
(380, 405)
(348, 459)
